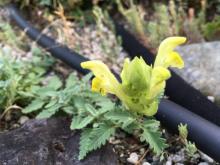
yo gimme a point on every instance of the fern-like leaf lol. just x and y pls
(79, 122)
(84, 143)
(46, 113)
(152, 135)
(34, 106)
(96, 138)
(123, 117)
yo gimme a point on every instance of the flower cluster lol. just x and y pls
(142, 85)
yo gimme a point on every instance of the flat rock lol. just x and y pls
(202, 67)
(48, 142)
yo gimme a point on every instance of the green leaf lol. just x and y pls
(84, 142)
(46, 92)
(97, 137)
(151, 124)
(71, 80)
(152, 135)
(89, 108)
(54, 83)
(79, 122)
(123, 117)
(69, 110)
(87, 77)
(34, 106)
(51, 103)
(46, 113)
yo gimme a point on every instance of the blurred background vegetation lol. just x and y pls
(150, 20)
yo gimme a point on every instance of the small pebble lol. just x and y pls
(203, 163)
(8, 117)
(23, 119)
(206, 157)
(169, 162)
(142, 150)
(122, 155)
(211, 98)
(133, 158)
(15, 126)
(155, 158)
(177, 158)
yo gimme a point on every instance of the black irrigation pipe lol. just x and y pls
(178, 90)
(205, 134)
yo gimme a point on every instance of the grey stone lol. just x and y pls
(168, 162)
(23, 119)
(206, 157)
(202, 67)
(203, 163)
(48, 142)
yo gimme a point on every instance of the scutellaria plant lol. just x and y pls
(98, 117)
(142, 85)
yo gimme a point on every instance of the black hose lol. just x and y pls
(178, 90)
(205, 134)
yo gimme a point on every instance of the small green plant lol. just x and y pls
(106, 29)
(8, 36)
(135, 17)
(142, 85)
(211, 29)
(96, 115)
(140, 91)
(19, 76)
(190, 147)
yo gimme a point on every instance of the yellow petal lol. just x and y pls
(104, 81)
(159, 74)
(167, 56)
(157, 83)
(98, 86)
(174, 60)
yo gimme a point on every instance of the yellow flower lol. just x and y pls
(142, 85)
(167, 56)
(104, 81)
(157, 83)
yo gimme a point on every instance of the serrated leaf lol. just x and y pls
(97, 137)
(25, 94)
(34, 106)
(69, 110)
(54, 83)
(105, 104)
(46, 92)
(46, 113)
(51, 103)
(87, 77)
(89, 108)
(151, 124)
(153, 137)
(79, 122)
(118, 115)
(71, 80)
(100, 135)
(84, 143)
(123, 117)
